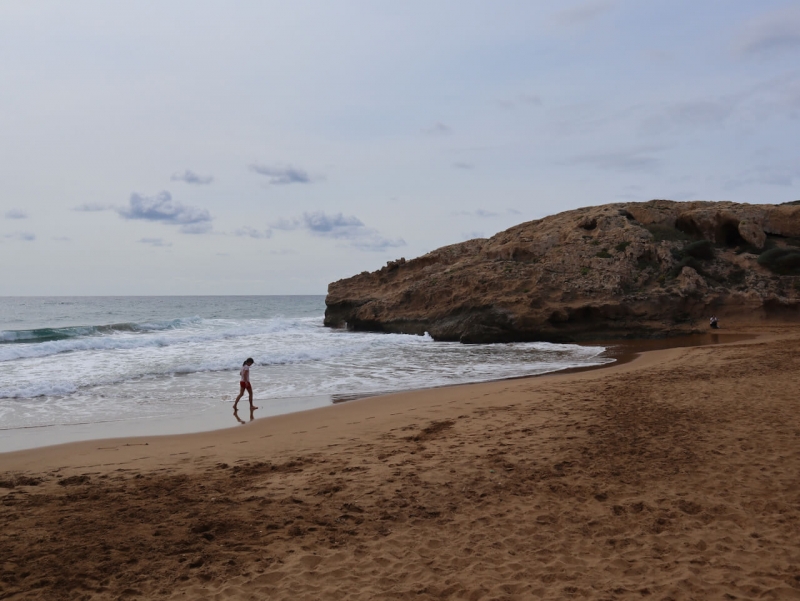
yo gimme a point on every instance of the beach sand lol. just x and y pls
(673, 476)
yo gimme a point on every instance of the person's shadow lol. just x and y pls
(239, 419)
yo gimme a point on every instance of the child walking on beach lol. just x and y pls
(244, 384)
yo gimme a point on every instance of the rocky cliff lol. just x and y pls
(618, 270)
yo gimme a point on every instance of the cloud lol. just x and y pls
(254, 233)
(62, 239)
(154, 242)
(322, 224)
(91, 207)
(163, 209)
(190, 177)
(286, 224)
(438, 129)
(23, 236)
(463, 165)
(338, 226)
(773, 32)
(703, 113)
(376, 243)
(585, 12)
(16, 214)
(638, 159)
(282, 175)
(482, 213)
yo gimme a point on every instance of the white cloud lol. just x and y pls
(632, 160)
(340, 227)
(282, 175)
(253, 233)
(16, 214)
(163, 209)
(482, 213)
(92, 207)
(190, 177)
(155, 242)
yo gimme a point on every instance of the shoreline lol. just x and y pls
(659, 348)
(672, 476)
(621, 351)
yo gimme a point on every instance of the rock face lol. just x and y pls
(618, 270)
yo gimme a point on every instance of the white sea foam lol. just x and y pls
(118, 340)
(156, 367)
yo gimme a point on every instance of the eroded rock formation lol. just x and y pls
(618, 270)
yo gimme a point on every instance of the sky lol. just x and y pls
(259, 147)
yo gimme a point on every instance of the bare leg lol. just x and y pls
(252, 407)
(236, 402)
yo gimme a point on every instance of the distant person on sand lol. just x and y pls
(713, 323)
(244, 384)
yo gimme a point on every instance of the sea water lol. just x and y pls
(73, 361)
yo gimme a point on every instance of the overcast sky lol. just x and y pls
(255, 147)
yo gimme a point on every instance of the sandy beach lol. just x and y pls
(672, 476)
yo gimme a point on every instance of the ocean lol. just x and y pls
(76, 368)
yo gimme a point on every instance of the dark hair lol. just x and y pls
(248, 360)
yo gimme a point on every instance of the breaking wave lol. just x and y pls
(55, 334)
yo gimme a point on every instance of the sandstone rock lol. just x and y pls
(690, 282)
(612, 270)
(783, 220)
(753, 232)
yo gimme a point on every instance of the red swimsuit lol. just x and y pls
(245, 382)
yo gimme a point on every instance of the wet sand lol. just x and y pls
(672, 476)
